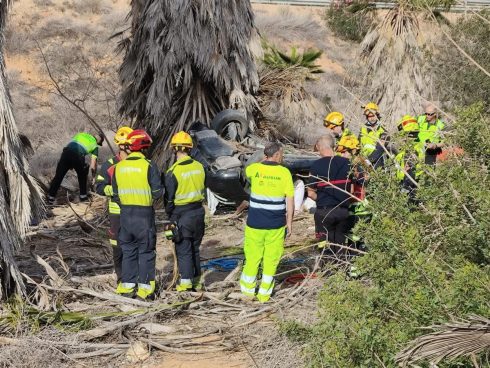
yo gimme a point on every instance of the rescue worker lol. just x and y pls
(329, 187)
(185, 186)
(430, 128)
(410, 155)
(73, 157)
(372, 135)
(347, 146)
(270, 220)
(136, 183)
(334, 121)
(104, 188)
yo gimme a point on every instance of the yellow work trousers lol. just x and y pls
(261, 246)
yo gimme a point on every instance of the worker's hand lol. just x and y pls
(289, 230)
(168, 227)
(432, 146)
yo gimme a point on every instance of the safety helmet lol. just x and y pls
(347, 143)
(334, 118)
(408, 124)
(371, 107)
(138, 139)
(121, 136)
(181, 139)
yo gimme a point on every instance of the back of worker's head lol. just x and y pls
(325, 145)
(273, 152)
(138, 140)
(181, 142)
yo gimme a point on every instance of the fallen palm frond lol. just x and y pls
(394, 64)
(287, 108)
(20, 195)
(449, 341)
(188, 61)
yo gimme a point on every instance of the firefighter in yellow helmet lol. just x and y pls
(185, 186)
(335, 122)
(104, 188)
(136, 184)
(348, 146)
(372, 136)
(410, 155)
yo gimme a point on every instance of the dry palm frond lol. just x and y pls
(286, 106)
(185, 60)
(19, 192)
(450, 341)
(393, 54)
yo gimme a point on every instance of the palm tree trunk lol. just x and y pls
(20, 195)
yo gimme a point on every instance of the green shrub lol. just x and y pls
(277, 59)
(350, 20)
(427, 263)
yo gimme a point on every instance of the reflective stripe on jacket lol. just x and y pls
(185, 182)
(87, 142)
(369, 138)
(270, 184)
(136, 182)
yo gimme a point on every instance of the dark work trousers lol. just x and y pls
(191, 226)
(137, 239)
(334, 222)
(115, 221)
(70, 160)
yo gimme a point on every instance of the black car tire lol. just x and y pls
(221, 121)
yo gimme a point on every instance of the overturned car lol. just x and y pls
(227, 148)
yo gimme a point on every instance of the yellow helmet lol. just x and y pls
(348, 143)
(121, 136)
(371, 107)
(181, 139)
(334, 118)
(408, 124)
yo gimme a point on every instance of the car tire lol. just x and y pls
(222, 121)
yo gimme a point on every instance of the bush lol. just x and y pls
(350, 20)
(427, 263)
(457, 78)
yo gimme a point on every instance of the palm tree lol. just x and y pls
(395, 62)
(187, 60)
(20, 195)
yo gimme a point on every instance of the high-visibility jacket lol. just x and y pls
(414, 153)
(369, 137)
(103, 183)
(429, 133)
(184, 183)
(136, 182)
(270, 184)
(85, 144)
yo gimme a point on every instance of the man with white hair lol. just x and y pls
(430, 129)
(329, 186)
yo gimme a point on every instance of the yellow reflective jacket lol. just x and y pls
(136, 182)
(429, 133)
(184, 183)
(369, 138)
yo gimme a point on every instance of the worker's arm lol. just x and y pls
(103, 181)
(115, 195)
(170, 190)
(289, 192)
(289, 215)
(155, 181)
(311, 193)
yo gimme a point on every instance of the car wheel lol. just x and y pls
(230, 125)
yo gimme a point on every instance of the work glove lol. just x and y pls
(108, 191)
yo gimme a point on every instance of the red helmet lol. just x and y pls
(138, 139)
